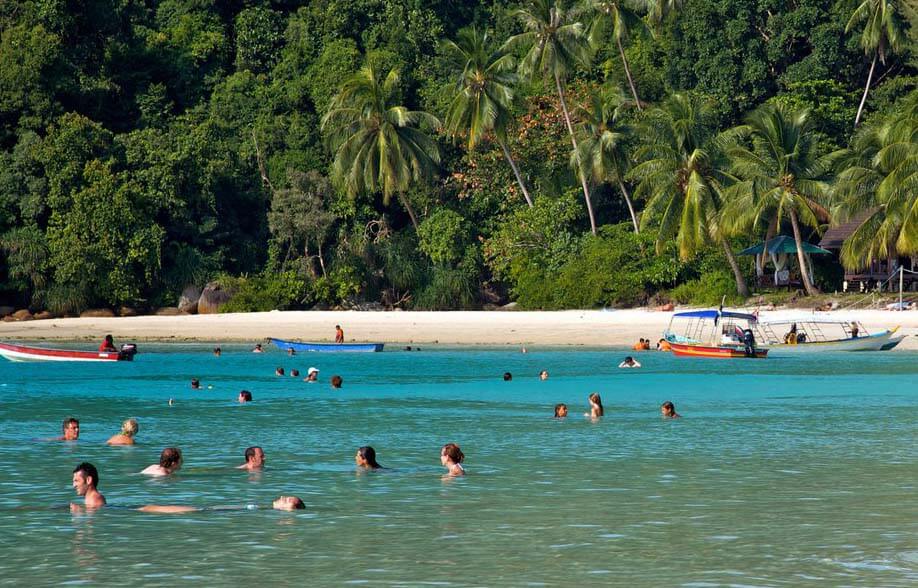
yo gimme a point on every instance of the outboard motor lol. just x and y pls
(128, 351)
(749, 342)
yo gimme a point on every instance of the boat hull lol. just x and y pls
(684, 350)
(876, 342)
(25, 353)
(329, 347)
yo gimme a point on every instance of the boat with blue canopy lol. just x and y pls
(713, 333)
(328, 347)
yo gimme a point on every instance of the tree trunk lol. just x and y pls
(516, 172)
(621, 50)
(407, 205)
(860, 109)
(811, 290)
(741, 287)
(570, 129)
(627, 196)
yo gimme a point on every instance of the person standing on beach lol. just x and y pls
(339, 334)
(70, 430)
(254, 459)
(452, 457)
(86, 482)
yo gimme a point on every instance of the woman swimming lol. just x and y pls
(366, 458)
(595, 406)
(129, 428)
(452, 457)
(560, 411)
(668, 410)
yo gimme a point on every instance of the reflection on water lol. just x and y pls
(789, 472)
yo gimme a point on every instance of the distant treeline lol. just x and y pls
(437, 154)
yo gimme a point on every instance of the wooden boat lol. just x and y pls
(328, 347)
(713, 333)
(25, 353)
(808, 333)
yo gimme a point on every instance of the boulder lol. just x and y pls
(127, 311)
(43, 315)
(188, 301)
(168, 311)
(98, 313)
(212, 298)
(22, 315)
(5, 310)
(9, 319)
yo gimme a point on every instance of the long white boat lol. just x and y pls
(808, 333)
(15, 352)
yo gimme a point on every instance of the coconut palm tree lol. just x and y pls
(781, 175)
(554, 43)
(883, 33)
(601, 147)
(682, 172)
(620, 17)
(878, 175)
(484, 94)
(377, 143)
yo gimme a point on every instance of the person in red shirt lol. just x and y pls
(339, 334)
(107, 345)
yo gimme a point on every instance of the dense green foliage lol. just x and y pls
(601, 152)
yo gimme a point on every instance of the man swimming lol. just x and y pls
(70, 430)
(289, 503)
(170, 460)
(254, 459)
(86, 482)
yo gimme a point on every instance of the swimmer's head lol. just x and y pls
(543, 375)
(170, 458)
(451, 452)
(85, 476)
(245, 396)
(667, 409)
(288, 503)
(366, 457)
(255, 456)
(560, 410)
(279, 371)
(195, 383)
(336, 381)
(596, 401)
(295, 373)
(508, 376)
(217, 351)
(130, 427)
(71, 429)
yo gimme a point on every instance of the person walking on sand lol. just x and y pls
(339, 334)
(86, 482)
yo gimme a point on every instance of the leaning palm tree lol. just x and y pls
(883, 33)
(377, 144)
(877, 178)
(781, 175)
(682, 173)
(621, 17)
(554, 43)
(601, 155)
(484, 94)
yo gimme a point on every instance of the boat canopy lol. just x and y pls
(713, 314)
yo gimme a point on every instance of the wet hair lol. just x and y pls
(298, 503)
(246, 395)
(195, 383)
(89, 471)
(217, 350)
(668, 405)
(508, 376)
(130, 427)
(629, 359)
(452, 451)
(250, 452)
(336, 381)
(279, 371)
(294, 373)
(170, 457)
(545, 372)
(558, 408)
(594, 398)
(67, 421)
(369, 454)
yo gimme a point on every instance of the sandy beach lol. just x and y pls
(580, 327)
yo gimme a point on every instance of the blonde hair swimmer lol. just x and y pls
(288, 503)
(129, 428)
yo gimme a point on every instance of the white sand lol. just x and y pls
(590, 327)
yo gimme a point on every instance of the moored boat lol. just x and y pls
(27, 353)
(808, 333)
(328, 347)
(713, 333)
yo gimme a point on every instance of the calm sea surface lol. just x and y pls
(783, 472)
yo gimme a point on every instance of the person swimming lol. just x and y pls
(629, 362)
(294, 373)
(452, 457)
(336, 381)
(70, 430)
(543, 375)
(254, 459)
(508, 376)
(195, 384)
(86, 484)
(129, 428)
(596, 410)
(560, 410)
(288, 503)
(366, 458)
(244, 396)
(257, 348)
(170, 460)
(217, 351)
(279, 371)
(312, 375)
(668, 410)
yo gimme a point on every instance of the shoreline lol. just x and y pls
(597, 328)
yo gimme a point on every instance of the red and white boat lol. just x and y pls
(717, 333)
(25, 353)
(723, 352)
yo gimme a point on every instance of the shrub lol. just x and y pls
(264, 292)
(708, 290)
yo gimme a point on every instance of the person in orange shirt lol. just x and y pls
(663, 345)
(639, 346)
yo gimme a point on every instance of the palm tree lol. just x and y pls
(601, 149)
(554, 44)
(883, 33)
(878, 175)
(376, 143)
(485, 94)
(682, 173)
(781, 176)
(622, 17)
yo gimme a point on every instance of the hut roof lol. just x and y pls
(835, 236)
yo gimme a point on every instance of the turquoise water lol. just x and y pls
(783, 472)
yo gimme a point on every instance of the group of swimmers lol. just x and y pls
(667, 409)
